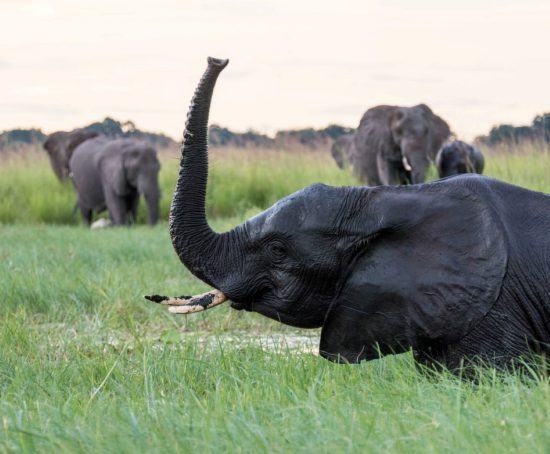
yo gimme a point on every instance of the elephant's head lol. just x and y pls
(134, 166)
(455, 158)
(60, 146)
(341, 150)
(419, 134)
(327, 256)
(266, 263)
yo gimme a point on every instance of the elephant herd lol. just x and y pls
(107, 174)
(395, 145)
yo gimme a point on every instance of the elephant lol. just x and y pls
(458, 157)
(111, 174)
(343, 150)
(395, 145)
(60, 146)
(454, 270)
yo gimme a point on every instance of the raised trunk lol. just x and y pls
(205, 253)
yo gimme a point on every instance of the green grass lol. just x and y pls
(239, 181)
(87, 365)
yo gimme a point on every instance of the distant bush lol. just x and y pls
(224, 137)
(219, 136)
(113, 128)
(20, 137)
(17, 138)
(309, 138)
(538, 131)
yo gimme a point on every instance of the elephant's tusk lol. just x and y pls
(406, 164)
(189, 304)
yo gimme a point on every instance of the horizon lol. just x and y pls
(473, 63)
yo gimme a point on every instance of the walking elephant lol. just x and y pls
(458, 157)
(60, 146)
(395, 145)
(111, 174)
(455, 269)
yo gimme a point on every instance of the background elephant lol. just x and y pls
(60, 147)
(343, 150)
(456, 269)
(111, 174)
(395, 145)
(459, 157)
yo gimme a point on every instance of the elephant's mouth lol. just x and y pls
(241, 306)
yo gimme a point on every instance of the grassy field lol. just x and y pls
(239, 181)
(87, 365)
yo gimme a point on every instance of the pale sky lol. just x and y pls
(293, 63)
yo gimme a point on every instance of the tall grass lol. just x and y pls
(239, 181)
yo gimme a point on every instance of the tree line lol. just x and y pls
(537, 131)
(310, 138)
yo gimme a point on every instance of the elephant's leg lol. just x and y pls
(116, 205)
(388, 171)
(341, 341)
(132, 203)
(86, 213)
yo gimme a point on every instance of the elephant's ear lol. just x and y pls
(432, 271)
(395, 117)
(113, 173)
(56, 151)
(440, 132)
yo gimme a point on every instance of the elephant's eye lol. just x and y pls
(277, 250)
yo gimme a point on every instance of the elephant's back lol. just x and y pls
(86, 150)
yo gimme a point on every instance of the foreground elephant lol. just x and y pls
(455, 269)
(60, 147)
(458, 157)
(395, 145)
(111, 174)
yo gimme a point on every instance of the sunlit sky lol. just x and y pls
(294, 63)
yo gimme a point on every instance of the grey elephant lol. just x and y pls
(459, 157)
(343, 150)
(395, 145)
(111, 174)
(456, 269)
(60, 146)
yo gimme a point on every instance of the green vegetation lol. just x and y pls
(510, 135)
(240, 181)
(87, 365)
